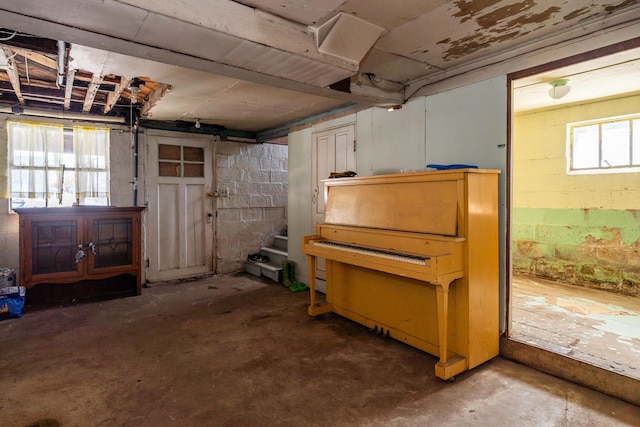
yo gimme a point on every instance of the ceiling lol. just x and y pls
(252, 66)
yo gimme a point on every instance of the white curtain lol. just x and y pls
(91, 146)
(35, 159)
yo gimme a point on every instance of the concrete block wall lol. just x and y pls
(582, 229)
(122, 167)
(597, 248)
(251, 180)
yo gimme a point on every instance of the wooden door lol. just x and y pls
(180, 233)
(334, 150)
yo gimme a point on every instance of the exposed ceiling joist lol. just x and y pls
(6, 56)
(91, 93)
(113, 97)
(68, 89)
(205, 49)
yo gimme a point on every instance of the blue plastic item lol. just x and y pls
(447, 167)
(11, 302)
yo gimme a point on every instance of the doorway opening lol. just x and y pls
(575, 223)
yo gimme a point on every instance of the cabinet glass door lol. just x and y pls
(113, 239)
(54, 246)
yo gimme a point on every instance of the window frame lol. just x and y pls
(69, 148)
(600, 169)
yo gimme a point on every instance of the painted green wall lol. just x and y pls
(598, 248)
(581, 229)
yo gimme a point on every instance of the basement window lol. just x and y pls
(608, 145)
(51, 165)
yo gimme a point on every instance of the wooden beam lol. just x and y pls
(91, 93)
(113, 97)
(68, 89)
(38, 58)
(12, 72)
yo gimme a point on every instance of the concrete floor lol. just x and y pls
(596, 327)
(240, 351)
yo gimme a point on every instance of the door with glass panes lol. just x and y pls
(180, 216)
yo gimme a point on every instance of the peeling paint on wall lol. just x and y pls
(588, 247)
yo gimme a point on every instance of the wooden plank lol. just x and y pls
(41, 59)
(68, 89)
(113, 97)
(12, 72)
(91, 93)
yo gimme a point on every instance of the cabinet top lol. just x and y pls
(79, 210)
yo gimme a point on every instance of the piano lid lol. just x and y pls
(405, 202)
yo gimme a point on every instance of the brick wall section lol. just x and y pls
(597, 248)
(255, 210)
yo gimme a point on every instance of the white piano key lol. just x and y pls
(378, 253)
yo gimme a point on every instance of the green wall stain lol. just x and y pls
(596, 248)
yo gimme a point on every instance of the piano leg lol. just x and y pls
(442, 293)
(446, 367)
(315, 309)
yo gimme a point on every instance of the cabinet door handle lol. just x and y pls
(80, 254)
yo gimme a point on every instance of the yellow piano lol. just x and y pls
(414, 256)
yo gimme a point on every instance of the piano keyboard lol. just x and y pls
(395, 256)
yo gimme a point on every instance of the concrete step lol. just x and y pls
(264, 269)
(281, 242)
(276, 256)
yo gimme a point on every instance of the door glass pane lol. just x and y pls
(193, 154)
(168, 152)
(192, 170)
(114, 242)
(169, 169)
(53, 245)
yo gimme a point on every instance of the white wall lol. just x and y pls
(391, 141)
(463, 125)
(256, 208)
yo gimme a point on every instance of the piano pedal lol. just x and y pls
(374, 329)
(387, 334)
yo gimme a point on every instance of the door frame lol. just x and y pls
(317, 190)
(208, 142)
(580, 372)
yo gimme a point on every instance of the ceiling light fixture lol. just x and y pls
(134, 88)
(559, 88)
(395, 107)
(197, 125)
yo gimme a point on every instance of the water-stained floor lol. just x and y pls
(241, 351)
(598, 327)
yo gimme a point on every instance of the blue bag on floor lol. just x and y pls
(11, 302)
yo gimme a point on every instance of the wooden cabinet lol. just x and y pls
(79, 244)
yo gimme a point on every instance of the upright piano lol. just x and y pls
(414, 256)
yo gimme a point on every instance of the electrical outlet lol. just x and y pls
(224, 192)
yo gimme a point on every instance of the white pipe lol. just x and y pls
(61, 54)
(65, 115)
